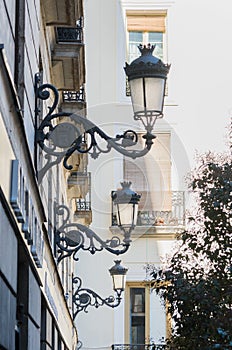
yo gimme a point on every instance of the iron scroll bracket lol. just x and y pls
(61, 134)
(72, 237)
(82, 298)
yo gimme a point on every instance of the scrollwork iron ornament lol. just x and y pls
(72, 237)
(61, 134)
(84, 297)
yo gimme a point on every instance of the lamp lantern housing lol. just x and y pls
(126, 202)
(118, 273)
(147, 77)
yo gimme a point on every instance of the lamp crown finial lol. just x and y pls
(146, 50)
(147, 65)
(126, 184)
(125, 194)
(118, 269)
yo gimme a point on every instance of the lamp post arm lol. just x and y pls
(71, 237)
(61, 134)
(82, 298)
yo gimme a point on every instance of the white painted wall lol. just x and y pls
(196, 112)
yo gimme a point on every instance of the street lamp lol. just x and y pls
(147, 77)
(70, 237)
(118, 273)
(82, 298)
(60, 134)
(126, 203)
(60, 139)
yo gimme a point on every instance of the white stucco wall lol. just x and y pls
(196, 113)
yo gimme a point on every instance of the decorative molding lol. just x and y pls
(157, 232)
(147, 5)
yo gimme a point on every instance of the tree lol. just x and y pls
(196, 282)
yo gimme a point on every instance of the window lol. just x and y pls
(136, 38)
(144, 28)
(146, 318)
(137, 316)
(137, 298)
(151, 176)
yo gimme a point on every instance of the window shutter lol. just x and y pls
(151, 175)
(148, 21)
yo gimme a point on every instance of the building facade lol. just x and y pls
(40, 42)
(80, 48)
(113, 29)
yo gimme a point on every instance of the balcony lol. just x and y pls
(139, 347)
(74, 96)
(69, 35)
(83, 210)
(74, 101)
(62, 12)
(68, 58)
(165, 222)
(80, 180)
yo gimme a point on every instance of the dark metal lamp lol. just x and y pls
(70, 237)
(60, 134)
(147, 77)
(84, 297)
(118, 273)
(59, 139)
(126, 203)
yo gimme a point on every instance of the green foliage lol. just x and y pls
(197, 283)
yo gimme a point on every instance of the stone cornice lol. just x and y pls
(147, 5)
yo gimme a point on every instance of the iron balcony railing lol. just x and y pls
(173, 217)
(157, 347)
(139, 347)
(82, 205)
(69, 35)
(74, 96)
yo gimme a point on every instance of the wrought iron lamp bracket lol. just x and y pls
(59, 139)
(83, 298)
(72, 237)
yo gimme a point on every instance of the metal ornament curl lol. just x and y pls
(72, 237)
(82, 298)
(59, 140)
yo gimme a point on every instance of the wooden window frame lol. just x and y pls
(146, 21)
(147, 287)
(130, 285)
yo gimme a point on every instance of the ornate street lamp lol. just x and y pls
(147, 77)
(60, 134)
(70, 237)
(126, 203)
(60, 139)
(118, 273)
(83, 297)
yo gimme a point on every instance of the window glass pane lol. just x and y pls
(135, 38)
(138, 330)
(137, 315)
(156, 38)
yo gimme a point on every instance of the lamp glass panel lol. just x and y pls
(137, 96)
(126, 211)
(154, 93)
(119, 282)
(149, 94)
(135, 214)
